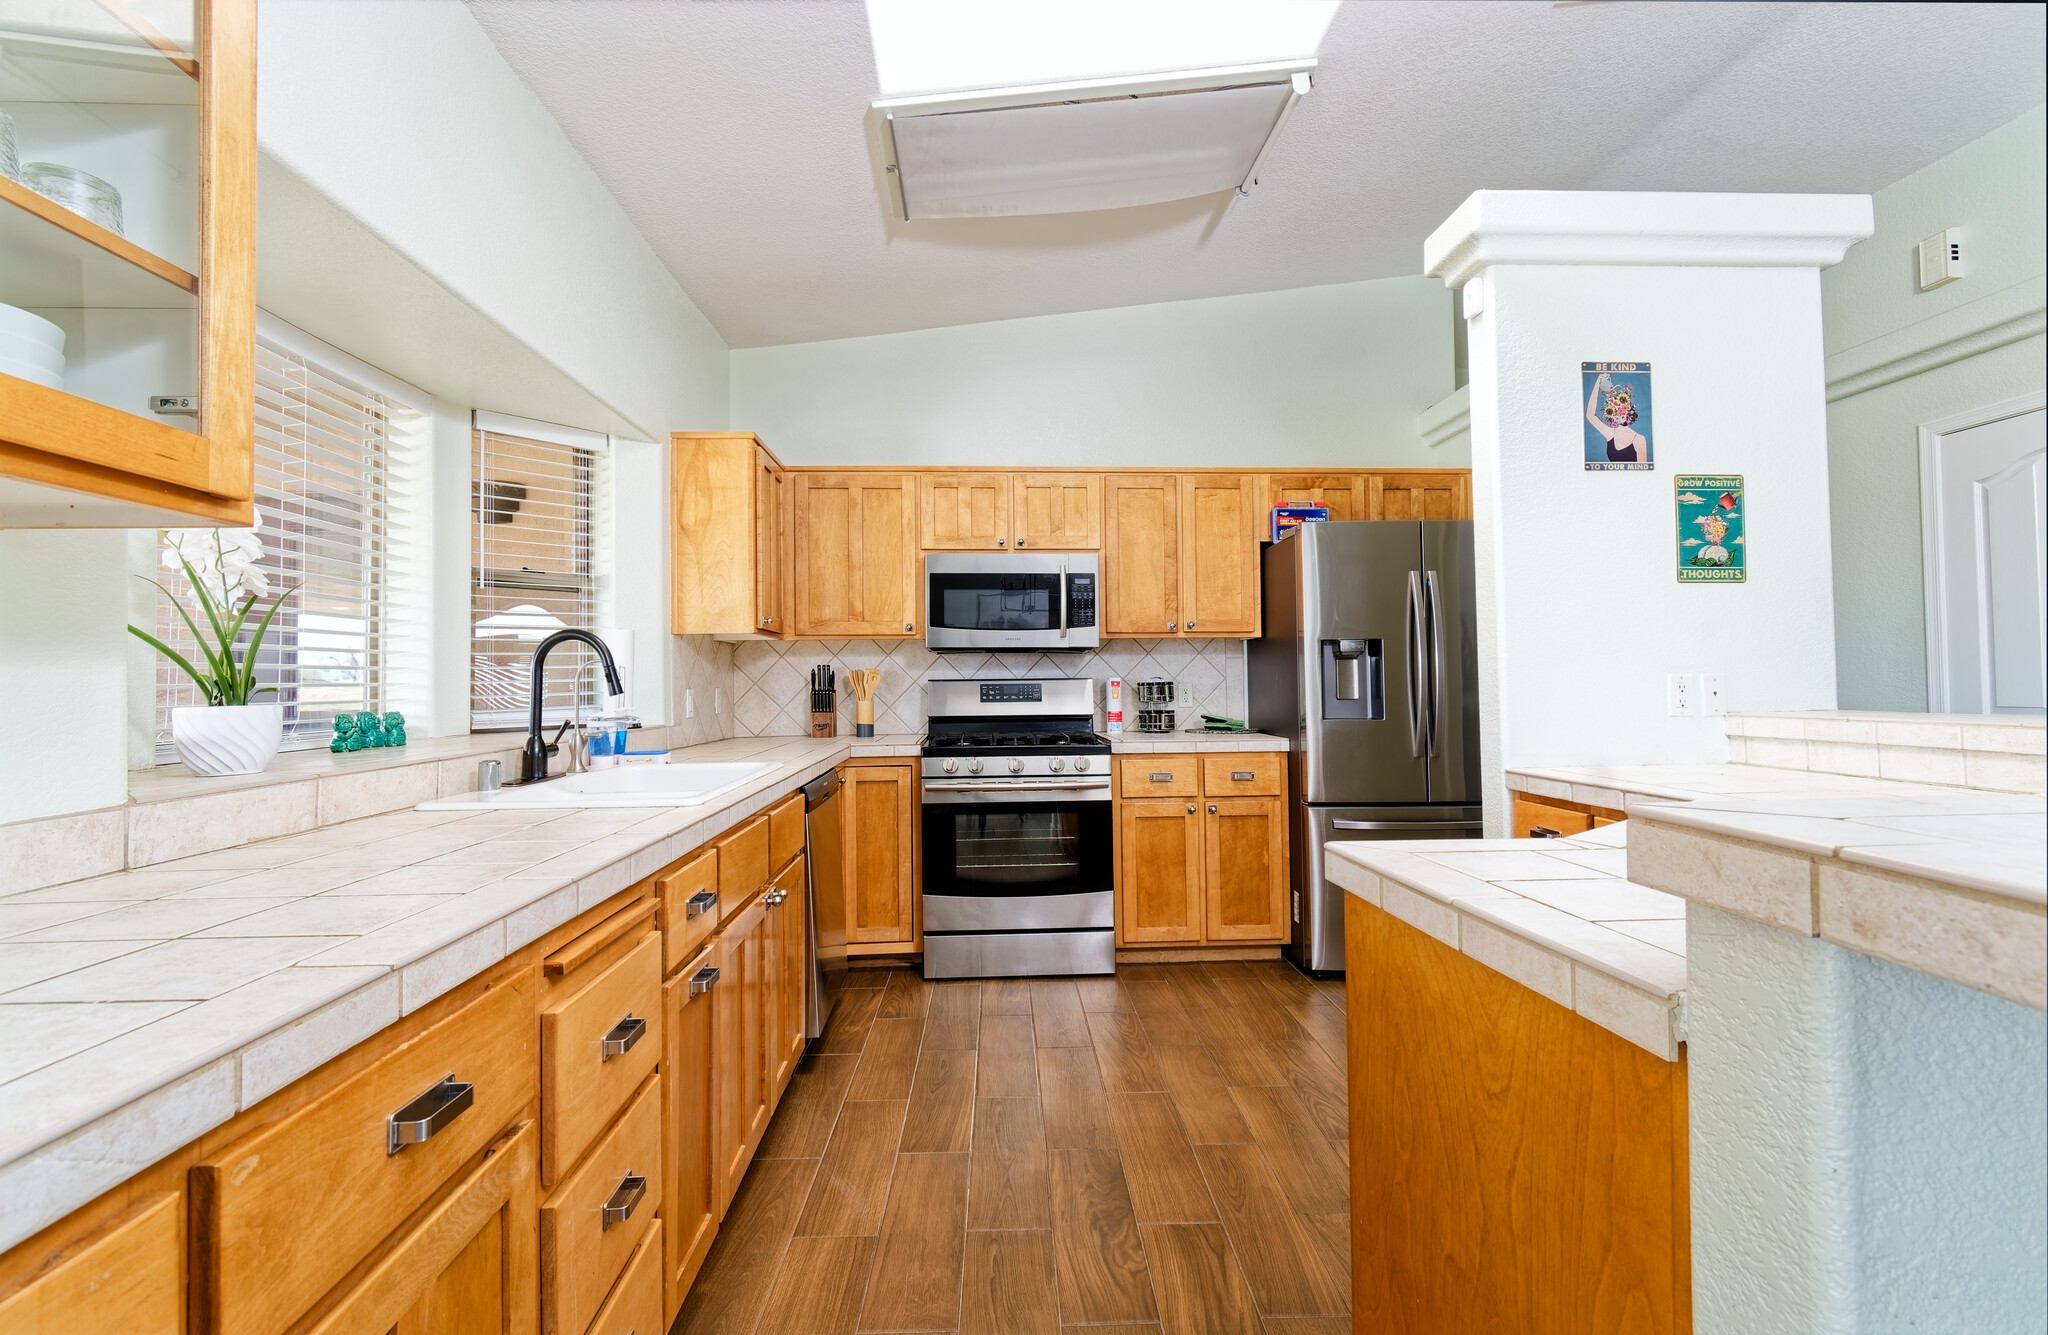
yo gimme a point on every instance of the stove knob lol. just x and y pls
(1016, 767)
(1056, 764)
(1081, 764)
(951, 766)
(974, 767)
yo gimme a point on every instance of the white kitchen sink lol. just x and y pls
(686, 785)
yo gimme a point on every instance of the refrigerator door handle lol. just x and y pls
(1433, 627)
(1407, 825)
(1417, 647)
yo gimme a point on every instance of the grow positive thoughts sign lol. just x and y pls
(1712, 543)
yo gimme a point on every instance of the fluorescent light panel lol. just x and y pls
(1075, 147)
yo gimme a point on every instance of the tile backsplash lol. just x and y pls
(771, 679)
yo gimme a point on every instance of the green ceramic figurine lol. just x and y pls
(367, 732)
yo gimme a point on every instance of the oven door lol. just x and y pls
(1038, 864)
(1008, 602)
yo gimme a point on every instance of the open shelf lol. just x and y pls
(57, 267)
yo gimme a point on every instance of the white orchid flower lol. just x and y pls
(226, 560)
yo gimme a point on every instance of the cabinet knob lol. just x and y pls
(1002, 542)
(1173, 625)
(1020, 542)
(1191, 625)
(767, 621)
(1212, 808)
(1191, 808)
(907, 628)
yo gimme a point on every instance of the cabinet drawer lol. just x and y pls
(1244, 775)
(689, 906)
(635, 1305)
(785, 831)
(742, 863)
(1140, 777)
(584, 1076)
(266, 1249)
(1532, 814)
(127, 1282)
(581, 1254)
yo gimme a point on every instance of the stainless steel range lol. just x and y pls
(1017, 823)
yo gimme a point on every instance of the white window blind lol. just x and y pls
(537, 511)
(325, 496)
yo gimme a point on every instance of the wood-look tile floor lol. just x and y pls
(1163, 1151)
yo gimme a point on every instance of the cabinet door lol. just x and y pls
(1159, 872)
(1219, 556)
(691, 1204)
(1141, 554)
(128, 1282)
(1532, 814)
(877, 834)
(769, 503)
(1058, 510)
(1446, 494)
(1347, 495)
(856, 555)
(469, 1266)
(1244, 869)
(963, 512)
(742, 1083)
(792, 985)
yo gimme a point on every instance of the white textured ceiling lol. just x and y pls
(733, 133)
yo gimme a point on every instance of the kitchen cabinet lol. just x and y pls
(1141, 554)
(1201, 850)
(963, 512)
(740, 1014)
(1348, 496)
(101, 316)
(857, 568)
(690, 1154)
(1219, 569)
(1424, 494)
(785, 1036)
(878, 840)
(1556, 816)
(730, 542)
(131, 1280)
(1062, 511)
(591, 1224)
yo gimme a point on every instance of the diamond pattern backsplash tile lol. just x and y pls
(769, 695)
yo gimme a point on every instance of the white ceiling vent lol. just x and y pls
(1098, 144)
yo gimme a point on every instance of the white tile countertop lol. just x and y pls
(1153, 743)
(1558, 916)
(142, 1008)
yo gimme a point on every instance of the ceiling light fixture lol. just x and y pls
(1083, 145)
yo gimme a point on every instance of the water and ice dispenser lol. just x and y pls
(1354, 679)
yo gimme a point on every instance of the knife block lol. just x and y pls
(824, 723)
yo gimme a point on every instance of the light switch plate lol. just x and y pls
(1680, 695)
(689, 703)
(1713, 694)
(717, 699)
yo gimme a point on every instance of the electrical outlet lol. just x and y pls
(1713, 694)
(1680, 695)
(689, 703)
(718, 699)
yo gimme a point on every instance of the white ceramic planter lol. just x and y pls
(227, 739)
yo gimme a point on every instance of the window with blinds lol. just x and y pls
(324, 494)
(534, 510)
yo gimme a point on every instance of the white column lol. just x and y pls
(1581, 615)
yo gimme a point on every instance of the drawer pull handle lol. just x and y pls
(1162, 776)
(702, 902)
(623, 1036)
(625, 1199)
(419, 1121)
(703, 980)
(1544, 832)
(1242, 776)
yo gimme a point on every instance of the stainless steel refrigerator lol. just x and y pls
(1367, 666)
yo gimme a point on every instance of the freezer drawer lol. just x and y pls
(1317, 904)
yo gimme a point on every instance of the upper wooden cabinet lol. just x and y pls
(856, 555)
(1219, 569)
(147, 287)
(1432, 494)
(975, 511)
(730, 523)
(1141, 554)
(1349, 495)
(1058, 510)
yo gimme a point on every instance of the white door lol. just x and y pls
(1986, 496)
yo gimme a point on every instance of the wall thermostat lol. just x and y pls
(1941, 258)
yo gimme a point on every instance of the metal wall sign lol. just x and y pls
(1617, 416)
(1713, 541)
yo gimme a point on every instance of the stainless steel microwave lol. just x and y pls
(1030, 601)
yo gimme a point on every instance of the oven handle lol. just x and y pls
(1015, 787)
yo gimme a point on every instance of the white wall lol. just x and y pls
(1899, 357)
(63, 672)
(1314, 377)
(1588, 613)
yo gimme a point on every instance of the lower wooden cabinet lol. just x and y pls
(783, 1038)
(128, 1281)
(879, 841)
(1207, 866)
(1550, 817)
(634, 1307)
(691, 1202)
(468, 1266)
(592, 1224)
(739, 1008)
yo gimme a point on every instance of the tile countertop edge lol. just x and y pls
(1606, 994)
(175, 1105)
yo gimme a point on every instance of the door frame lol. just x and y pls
(1935, 597)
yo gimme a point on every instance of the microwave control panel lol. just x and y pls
(1080, 600)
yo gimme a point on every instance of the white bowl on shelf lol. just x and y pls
(31, 348)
